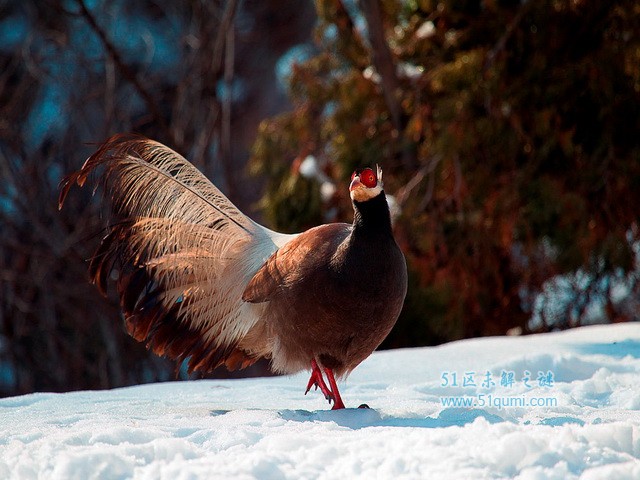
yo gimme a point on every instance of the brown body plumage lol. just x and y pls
(199, 280)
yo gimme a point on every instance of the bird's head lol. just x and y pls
(365, 184)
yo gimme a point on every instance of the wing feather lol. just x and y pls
(294, 261)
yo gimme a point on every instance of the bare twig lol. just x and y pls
(223, 29)
(385, 66)
(125, 70)
(225, 134)
(383, 60)
(109, 96)
(502, 41)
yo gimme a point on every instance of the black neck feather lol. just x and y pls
(372, 216)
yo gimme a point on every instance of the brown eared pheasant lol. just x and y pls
(200, 281)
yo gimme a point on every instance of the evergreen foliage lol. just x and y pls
(508, 132)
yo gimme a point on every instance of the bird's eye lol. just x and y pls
(368, 178)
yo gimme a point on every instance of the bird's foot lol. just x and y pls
(317, 380)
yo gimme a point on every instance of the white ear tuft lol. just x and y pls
(379, 170)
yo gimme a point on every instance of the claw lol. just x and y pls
(331, 394)
(317, 381)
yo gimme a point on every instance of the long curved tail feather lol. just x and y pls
(181, 250)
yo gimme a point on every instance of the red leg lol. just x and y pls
(317, 380)
(337, 401)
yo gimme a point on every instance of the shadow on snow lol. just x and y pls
(613, 349)
(356, 418)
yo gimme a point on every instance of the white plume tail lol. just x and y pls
(182, 251)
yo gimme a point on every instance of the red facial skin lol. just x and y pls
(366, 178)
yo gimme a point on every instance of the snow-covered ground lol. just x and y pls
(576, 414)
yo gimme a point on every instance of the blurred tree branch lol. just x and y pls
(127, 72)
(383, 62)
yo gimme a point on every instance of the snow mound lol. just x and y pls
(555, 406)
